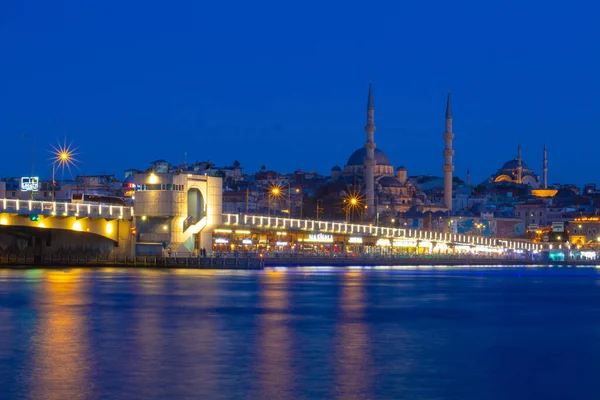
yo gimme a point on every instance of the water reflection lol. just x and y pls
(147, 333)
(352, 353)
(61, 354)
(274, 356)
(194, 354)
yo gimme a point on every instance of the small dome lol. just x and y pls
(336, 168)
(389, 181)
(401, 168)
(358, 157)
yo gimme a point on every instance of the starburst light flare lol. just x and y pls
(64, 156)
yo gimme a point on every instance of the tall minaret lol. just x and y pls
(370, 157)
(519, 166)
(468, 177)
(545, 169)
(448, 154)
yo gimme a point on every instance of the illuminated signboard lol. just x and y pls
(30, 184)
(355, 240)
(246, 241)
(383, 242)
(221, 241)
(558, 227)
(404, 243)
(319, 238)
(281, 243)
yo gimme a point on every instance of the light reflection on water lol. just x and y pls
(61, 355)
(274, 337)
(317, 333)
(352, 348)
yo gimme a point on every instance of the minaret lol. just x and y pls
(468, 177)
(545, 169)
(519, 166)
(448, 154)
(370, 157)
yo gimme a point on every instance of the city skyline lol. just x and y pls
(246, 95)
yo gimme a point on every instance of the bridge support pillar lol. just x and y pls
(38, 248)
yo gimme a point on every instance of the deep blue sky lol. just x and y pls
(285, 83)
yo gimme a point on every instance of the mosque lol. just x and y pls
(516, 171)
(386, 188)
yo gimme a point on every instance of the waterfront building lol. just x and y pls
(13, 190)
(584, 231)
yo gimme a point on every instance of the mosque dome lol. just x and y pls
(513, 164)
(401, 168)
(358, 157)
(336, 168)
(389, 181)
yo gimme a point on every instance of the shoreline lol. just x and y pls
(226, 263)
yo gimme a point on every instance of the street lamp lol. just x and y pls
(298, 190)
(64, 156)
(274, 191)
(319, 208)
(289, 199)
(352, 203)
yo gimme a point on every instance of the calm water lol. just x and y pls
(300, 333)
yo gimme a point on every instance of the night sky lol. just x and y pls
(285, 83)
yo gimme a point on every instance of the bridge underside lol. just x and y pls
(75, 235)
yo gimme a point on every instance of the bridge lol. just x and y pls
(32, 221)
(26, 218)
(384, 236)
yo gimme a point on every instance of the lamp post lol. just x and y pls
(352, 203)
(298, 190)
(52, 183)
(318, 208)
(269, 207)
(289, 199)
(274, 192)
(32, 147)
(63, 157)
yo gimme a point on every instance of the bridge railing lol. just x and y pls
(64, 209)
(336, 227)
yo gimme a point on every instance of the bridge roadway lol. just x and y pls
(380, 232)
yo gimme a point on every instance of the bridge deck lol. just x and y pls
(343, 228)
